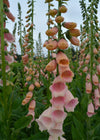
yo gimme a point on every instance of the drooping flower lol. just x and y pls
(58, 114)
(51, 66)
(58, 101)
(90, 111)
(45, 120)
(52, 45)
(66, 74)
(75, 41)
(56, 131)
(62, 44)
(95, 80)
(88, 87)
(62, 59)
(9, 59)
(10, 16)
(58, 88)
(70, 101)
(9, 37)
(74, 32)
(69, 25)
(62, 9)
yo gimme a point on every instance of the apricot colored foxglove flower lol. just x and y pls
(96, 103)
(88, 77)
(9, 59)
(62, 9)
(88, 87)
(58, 88)
(66, 74)
(25, 59)
(95, 79)
(53, 55)
(62, 44)
(52, 12)
(52, 45)
(58, 114)
(6, 2)
(69, 25)
(70, 101)
(98, 69)
(31, 111)
(90, 111)
(31, 87)
(57, 130)
(62, 59)
(96, 93)
(52, 31)
(27, 98)
(85, 69)
(51, 66)
(87, 57)
(75, 41)
(59, 19)
(45, 120)
(58, 101)
(10, 16)
(1, 82)
(9, 37)
(74, 32)
(37, 84)
(55, 138)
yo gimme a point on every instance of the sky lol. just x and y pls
(40, 19)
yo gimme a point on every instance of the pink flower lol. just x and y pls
(51, 66)
(56, 131)
(58, 88)
(9, 59)
(98, 69)
(45, 120)
(57, 101)
(95, 80)
(9, 37)
(96, 103)
(55, 138)
(70, 101)
(90, 111)
(96, 93)
(32, 113)
(10, 16)
(88, 87)
(1, 82)
(62, 59)
(58, 115)
(66, 74)
(7, 68)
(25, 59)
(87, 77)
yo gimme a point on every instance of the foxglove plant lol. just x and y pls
(53, 117)
(5, 61)
(89, 53)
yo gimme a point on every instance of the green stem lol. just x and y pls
(2, 50)
(32, 35)
(91, 64)
(48, 39)
(32, 28)
(59, 28)
(3, 66)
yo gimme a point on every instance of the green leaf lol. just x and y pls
(22, 122)
(75, 135)
(79, 127)
(38, 136)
